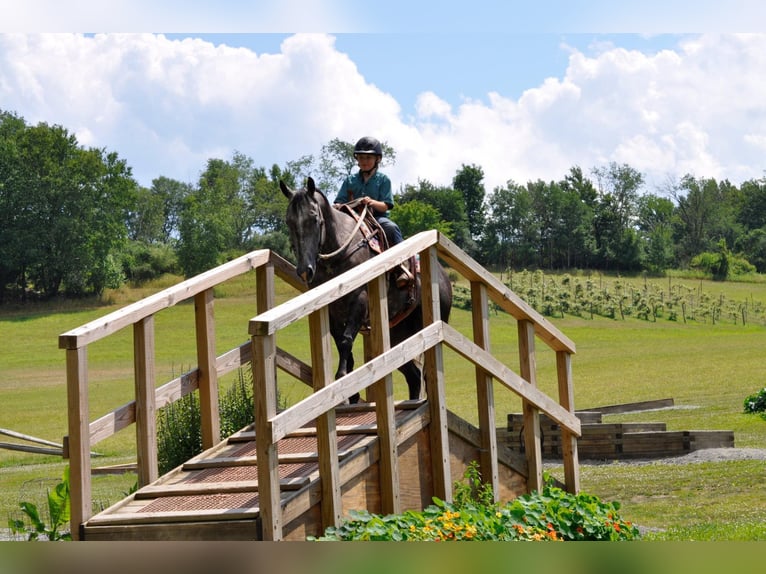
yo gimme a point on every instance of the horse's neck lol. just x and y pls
(338, 226)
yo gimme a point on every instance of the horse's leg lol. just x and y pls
(412, 375)
(345, 324)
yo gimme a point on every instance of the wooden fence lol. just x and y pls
(375, 375)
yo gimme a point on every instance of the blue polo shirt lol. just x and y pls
(378, 187)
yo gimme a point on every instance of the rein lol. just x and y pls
(342, 248)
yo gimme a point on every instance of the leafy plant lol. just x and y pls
(58, 511)
(756, 403)
(549, 515)
(179, 425)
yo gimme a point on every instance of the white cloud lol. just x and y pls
(167, 106)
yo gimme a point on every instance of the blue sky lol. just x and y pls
(525, 90)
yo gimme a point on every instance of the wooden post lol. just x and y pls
(434, 377)
(383, 395)
(265, 406)
(484, 391)
(568, 440)
(204, 324)
(327, 433)
(532, 442)
(264, 281)
(79, 439)
(146, 411)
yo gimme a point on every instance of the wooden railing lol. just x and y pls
(375, 376)
(142, 411)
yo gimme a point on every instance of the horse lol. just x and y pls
(326, 242)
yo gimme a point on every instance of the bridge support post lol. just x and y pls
(532, 438)
(484, 391)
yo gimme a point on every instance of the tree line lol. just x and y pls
(74, 221)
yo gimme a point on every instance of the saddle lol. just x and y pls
(376, 239)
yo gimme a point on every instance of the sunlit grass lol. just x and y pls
(707, 369)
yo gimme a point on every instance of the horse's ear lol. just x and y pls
(310, 185)
(285, 190)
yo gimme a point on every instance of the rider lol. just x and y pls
(373, 188)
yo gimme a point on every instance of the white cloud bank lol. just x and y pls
(167, 106)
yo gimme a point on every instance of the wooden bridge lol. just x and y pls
(297, 471)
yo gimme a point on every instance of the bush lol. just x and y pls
(756, 403)
(550, 515)
(179, 424)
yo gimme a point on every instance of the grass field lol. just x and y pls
(707, 369)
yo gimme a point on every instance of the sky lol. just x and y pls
(523, 90)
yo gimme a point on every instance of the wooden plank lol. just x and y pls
(633, 407)
(355, 382)
(271, 321)
(79, 438)
(146, 409)
(32, 449)
(206, 488)
(265, 407)
(509, 379)
(320, 342)
(532, 437)
(504, 297)
(135, 312)
(22, 436)
(485, 397)
(383, 395)
(434, 378)
(286, 458)
(204, 328)
(233, 530)
(569, 445)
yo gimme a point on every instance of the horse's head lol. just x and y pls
(306, 224)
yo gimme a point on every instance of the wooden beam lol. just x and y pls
(146, 410)
(504, 297)
(204, 324)
(532, 436)
(503, 375)
(383, 395)
(135, 312)
(434, 378)
(79, 443)
(485, 397)
(568, 440)
(326, 434)
(265, 408)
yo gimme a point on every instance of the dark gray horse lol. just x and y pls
(322, 240)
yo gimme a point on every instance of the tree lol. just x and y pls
(752, 211)
(617, 242)
(468, 181)
(655, 223)
(510, 236)
(416, 216)
(448, 202)
(68, 208)
(704, 215)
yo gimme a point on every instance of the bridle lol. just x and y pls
(342, 248)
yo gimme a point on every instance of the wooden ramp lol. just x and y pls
(214, 496)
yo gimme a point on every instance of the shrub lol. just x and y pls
(756, 403)
(549, 515)
(179, 424)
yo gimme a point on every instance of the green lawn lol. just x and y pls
(707, 369)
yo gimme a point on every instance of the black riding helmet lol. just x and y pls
(368, 145)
